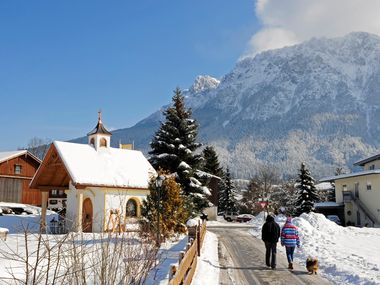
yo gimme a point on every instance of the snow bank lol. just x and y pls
(18, 223)
(347, 255)
(193, 222)
(207, 271)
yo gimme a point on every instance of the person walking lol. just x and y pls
(290, 239)
(270, 233)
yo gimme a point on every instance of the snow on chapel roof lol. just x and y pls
(110, 167)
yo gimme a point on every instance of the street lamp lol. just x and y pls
(159, 180)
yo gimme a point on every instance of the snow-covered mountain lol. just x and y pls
(317, 102)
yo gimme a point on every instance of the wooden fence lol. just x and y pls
(187, 263)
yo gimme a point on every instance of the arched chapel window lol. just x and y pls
(103, 142)
(131, 208)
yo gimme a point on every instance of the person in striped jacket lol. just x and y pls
(290, 239)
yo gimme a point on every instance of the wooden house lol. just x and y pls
(105, 186)
(17, 169)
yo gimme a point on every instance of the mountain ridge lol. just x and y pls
(318, 102)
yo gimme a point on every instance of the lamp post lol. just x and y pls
(159, 181)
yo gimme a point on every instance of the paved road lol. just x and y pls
(241, 257)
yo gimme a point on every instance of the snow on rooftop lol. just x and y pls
(10, 154)
(106, 166)
(324, 186)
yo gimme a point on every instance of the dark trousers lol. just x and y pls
(271, 249)
(289, 253)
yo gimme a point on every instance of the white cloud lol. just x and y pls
(292, 21)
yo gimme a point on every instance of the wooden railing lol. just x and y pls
(183, 272)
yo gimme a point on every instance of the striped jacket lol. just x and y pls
(289, 235)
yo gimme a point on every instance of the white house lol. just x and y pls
(360, 193)
(105, 186)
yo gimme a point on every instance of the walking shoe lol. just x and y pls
(290, 266)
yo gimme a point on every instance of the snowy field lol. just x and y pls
(88, 246)
(347, 255)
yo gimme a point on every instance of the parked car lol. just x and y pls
(244, 218)
(230, 216)
(335, 219)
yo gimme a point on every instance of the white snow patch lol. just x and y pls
(207, 271)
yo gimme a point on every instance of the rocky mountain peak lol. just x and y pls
(204, 83)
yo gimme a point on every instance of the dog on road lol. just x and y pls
(312, 265)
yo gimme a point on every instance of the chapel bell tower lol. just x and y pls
(99, 137)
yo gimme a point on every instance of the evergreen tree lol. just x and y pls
(227, 200)
(306, 191)
(171, 205)
(211, 162)
(173, 149)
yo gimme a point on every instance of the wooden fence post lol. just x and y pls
(172, 271)
(181, 256)
(198, 240)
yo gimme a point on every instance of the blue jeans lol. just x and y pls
(289, 253)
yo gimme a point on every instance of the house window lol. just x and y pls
(344, 187)
(92, 142)
(18, 168)
(372, 167)
(103, 142)
(131, 208)
(369, 186)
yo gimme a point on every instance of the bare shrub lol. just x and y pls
(77, 258)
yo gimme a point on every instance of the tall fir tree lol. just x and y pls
(171, 206)
(306, 191)
(173, 149)
(211, 162)
(227, 199)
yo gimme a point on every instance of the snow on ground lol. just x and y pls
(168, 254)
(347, 255)
(18, 223)
(207, 271)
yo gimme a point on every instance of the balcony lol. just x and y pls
(347, 196)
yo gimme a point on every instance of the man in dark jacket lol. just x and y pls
(270, 234)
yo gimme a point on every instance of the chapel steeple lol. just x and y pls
(99, 136)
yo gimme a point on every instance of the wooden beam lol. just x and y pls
(51, 187)
(45, 196)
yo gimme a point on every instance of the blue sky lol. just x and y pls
(60, 61)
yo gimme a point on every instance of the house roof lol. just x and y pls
(366, 160)
(7, 155)
(354, 174)
(112, 167)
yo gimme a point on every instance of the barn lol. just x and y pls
(105, 186)
(17, 169)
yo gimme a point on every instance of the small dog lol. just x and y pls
(312, 265)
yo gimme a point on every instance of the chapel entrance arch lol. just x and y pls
(87, 216)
